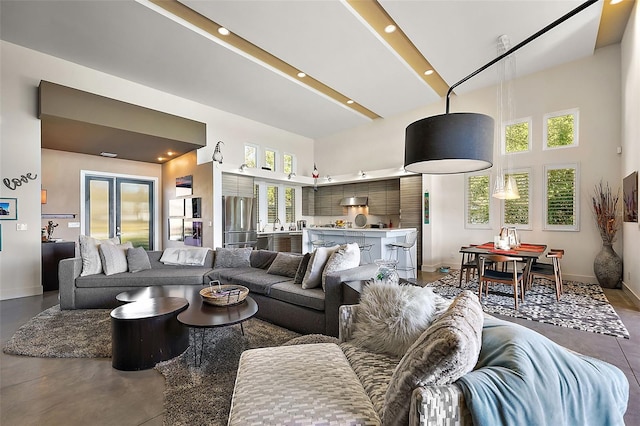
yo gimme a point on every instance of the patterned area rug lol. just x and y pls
(582, 306)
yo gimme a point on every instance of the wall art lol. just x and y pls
(8, 208)
(630, 197)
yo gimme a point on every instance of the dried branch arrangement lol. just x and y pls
(605, 209)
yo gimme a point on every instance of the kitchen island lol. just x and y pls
(379, 237)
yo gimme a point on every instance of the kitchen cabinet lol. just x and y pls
(308, 201)
(323, 201)
(384, 197)
(411, 208)
(236, 185)
(337, 194)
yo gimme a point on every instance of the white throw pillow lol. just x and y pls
(391, 317)
(114, 257)
(91, 263)
(319, 258)
(346, 257)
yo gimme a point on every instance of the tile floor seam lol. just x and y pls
(635, 376)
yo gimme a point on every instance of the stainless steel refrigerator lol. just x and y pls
(239, 219)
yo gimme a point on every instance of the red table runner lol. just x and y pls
(523, 247)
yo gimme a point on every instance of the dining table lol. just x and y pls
(528, 252)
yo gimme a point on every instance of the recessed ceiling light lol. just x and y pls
(160, 159)
(170, 153)
(108, 154)
(389, 28)
(616, 1)
(301, 74)
(350, 101)
(428, 72)
(223, 31)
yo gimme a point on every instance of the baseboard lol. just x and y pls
(634, 297)
(15, 293)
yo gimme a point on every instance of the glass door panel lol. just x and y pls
(134, 212)
(99, 215)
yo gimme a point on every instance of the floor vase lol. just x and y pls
(608, 267)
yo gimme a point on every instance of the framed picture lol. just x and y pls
(193, 233)
(176, 208)
(630, 197)
(184, 186)
(176, 229)
(426, 208)
(8, 208)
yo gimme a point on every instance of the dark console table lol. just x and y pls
(52, 254)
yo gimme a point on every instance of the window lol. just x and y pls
(518, 212)
(289, 163)
(477, 201)
(561, 197)
(290, 205)
(561, 129)
(251, 155)
(272, 204)
(256, 200)
(517, 136)
(270, 159)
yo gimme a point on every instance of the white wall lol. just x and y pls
(21, 72)
(592, 85)
(631, 143)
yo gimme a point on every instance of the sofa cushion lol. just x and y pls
(374, 371)
(391, 317)
(138, 259)
(319, 258)
(300, 384)
(285, 264)
(446, 351)
(302, 269)
(113, 257)
(346, 257)
(256, 280)
(262, 259)
(174, 276)
(290, 292)
(232, 258)
(91, 262)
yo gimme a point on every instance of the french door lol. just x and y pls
(119, 206)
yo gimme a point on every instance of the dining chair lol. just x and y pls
(550, 271)
(488, 275)
(468, 265)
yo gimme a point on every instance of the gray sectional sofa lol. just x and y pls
(279, 300)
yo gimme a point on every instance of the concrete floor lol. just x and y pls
(47, 391)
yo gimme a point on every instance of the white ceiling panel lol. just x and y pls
(328, 42)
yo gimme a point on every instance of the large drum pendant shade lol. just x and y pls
(449, 143)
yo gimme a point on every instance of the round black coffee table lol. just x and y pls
(199, 315)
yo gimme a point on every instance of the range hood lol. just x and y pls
(354, 201)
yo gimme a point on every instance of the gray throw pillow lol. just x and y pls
(285, 264)
(232, 258)
(346, 257)
(302, 269)
(391, 317)
(446, 351)
(91, 262)
(114, 258)
(313, 275)
(138, 259)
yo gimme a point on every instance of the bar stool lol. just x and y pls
(407, 245)
(360, 239)
(317, 240)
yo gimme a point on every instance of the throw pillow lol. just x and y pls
(138, 259)
(232, 258)
(285, 264)
(313, 275)
(446, 351)
(91, 263)
(346, 257)
(113, 257)
(302, 269)
(391, 317)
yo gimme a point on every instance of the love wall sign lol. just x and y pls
(14, 183)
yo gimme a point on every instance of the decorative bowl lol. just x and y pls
(223, 295)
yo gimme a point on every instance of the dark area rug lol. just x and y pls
(202, 395)
(582, 306)
(82, 333)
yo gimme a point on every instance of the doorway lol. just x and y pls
(122, 206)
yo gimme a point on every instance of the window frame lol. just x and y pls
(293, 163)
(576, 201)
(276, 156)
(522, 226)
(293, 206)
(257, 154)
(545, 128)
(529, 121)
(467, 224)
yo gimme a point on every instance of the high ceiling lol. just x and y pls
(326, 39)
